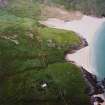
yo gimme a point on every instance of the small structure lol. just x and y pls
(44, 85)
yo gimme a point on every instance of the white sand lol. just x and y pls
(86, 27)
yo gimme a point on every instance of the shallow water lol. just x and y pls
(98, 53)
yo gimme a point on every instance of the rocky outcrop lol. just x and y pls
(60, 13)
(3, 3)
(93, 87)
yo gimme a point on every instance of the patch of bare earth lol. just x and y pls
(60, 13)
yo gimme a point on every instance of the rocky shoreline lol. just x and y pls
(93, 86)
(75, 48)
(81, 27)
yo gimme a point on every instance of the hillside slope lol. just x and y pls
(89, 7)
(33, 70)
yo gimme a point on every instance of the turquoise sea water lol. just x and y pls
(98, 53)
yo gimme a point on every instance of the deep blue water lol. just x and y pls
(98, 53)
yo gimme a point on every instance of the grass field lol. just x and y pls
(31, 55)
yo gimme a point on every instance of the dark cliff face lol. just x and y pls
(3, 3)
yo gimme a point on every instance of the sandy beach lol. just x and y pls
(86, 28)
